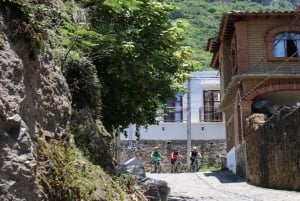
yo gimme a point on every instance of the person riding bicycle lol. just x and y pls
(193, 155)
(156, 157)
(174, 157)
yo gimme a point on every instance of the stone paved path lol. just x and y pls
(219, 186)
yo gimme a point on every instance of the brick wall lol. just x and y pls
(273, 150)
(252, 47)
(213, 152)
(258, 49)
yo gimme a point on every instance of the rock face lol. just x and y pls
(35, 103)
(157, 190)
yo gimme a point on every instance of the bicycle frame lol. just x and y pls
(176, 166)
(194, 165)
(156, 166)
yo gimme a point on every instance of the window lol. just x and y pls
(174, 110)
(211, 101)
(283, 42)
(287, 45)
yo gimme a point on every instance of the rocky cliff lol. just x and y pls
(35, 103)
(39, 157)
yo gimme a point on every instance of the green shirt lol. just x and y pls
(156, 155)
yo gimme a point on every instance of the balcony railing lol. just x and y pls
(206, 114)
(210, 114)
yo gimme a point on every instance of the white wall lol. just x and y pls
(178, 131)
(208, 80)
(231, 160)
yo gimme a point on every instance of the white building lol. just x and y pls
(206, 123)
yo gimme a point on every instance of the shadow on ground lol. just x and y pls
(225, 176)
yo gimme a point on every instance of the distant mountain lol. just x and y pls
(204, 19)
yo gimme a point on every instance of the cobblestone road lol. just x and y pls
(219, 186)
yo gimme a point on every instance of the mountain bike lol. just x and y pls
(177, 166)
(194, 165)
(156, 166)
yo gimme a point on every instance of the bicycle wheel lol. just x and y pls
(196, 166)
(156, 167)
(193, 166)
(176, 167)
(179, 167)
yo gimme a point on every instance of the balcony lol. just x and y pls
(210, 114)
(179, 114)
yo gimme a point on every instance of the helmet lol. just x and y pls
(194, 148)
(156, 148)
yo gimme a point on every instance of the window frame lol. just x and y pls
(211, 102)
(177, 105)
(270, 39)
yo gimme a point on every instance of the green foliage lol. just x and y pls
(72, 177)
(82, 38)
(128, 182)
(84, 85)
(123, 6)
(210, 168)
(141, 63)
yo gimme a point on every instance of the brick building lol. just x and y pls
(258, 56)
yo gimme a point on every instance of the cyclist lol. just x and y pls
(156, 157)
(193, 155)
(174, 157)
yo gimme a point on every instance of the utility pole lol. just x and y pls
(188, 123)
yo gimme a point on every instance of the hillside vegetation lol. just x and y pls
(204, 18)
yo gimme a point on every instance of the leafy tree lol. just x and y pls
(140, 62)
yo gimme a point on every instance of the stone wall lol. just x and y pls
(213, 152)
(273, 150)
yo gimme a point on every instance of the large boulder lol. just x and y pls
(158, 190)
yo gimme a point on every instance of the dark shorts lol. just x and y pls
(155, 162)
(192, 159)
(173, 161)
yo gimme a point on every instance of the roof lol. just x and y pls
(226, 29)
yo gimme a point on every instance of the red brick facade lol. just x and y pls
(244, 54)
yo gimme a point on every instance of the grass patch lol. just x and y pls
(210, 169)
(67, 175)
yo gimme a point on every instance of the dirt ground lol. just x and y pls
(219, 186)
